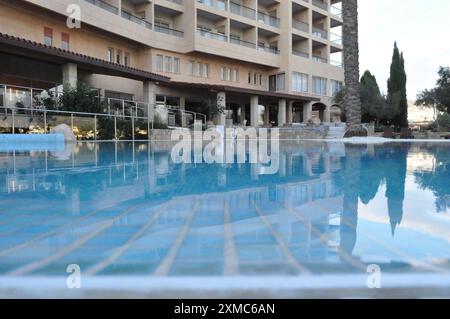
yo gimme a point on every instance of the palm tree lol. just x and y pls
(352, 98)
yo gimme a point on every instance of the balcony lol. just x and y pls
(218, 4)
(268, 19)
(319, 59)
(135, 19)
(268, 49)
(180, 2)
(212, 35)
(337, 64)
(320, 33)
(336, 11)
(242, 42)
(300, 54)
(320, 4)
(169, 31)
(301, 26)
(336, 38)
(104, 5)
(243, 11)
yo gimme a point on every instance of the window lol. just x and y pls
(249, 78)
(48, 36)
(197, 69)
(260, 80)
(159, 64)
(110, 55)
(277, 82)
(119, 57)
(299, 82)
(204, 70)
(336, 87)
(319, 86)
(65, 40)
(191, 68)
(126, 60)
(168, 64)
(176, 65)
(234, 75)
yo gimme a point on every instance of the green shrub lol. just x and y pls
(443, 122)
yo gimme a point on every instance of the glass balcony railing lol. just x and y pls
(176, 1)
(135, 19)
(218, 4)
(300, 25)
(104, 5)
(242, 42)
(242, 10)
(320, 4)
(268, 49)
(320, 33)
(337, 63)
(336, 38)
(212, 35)
(169, 31)
(336, 11)
(319, 59)
(300, 54)
(268, 19)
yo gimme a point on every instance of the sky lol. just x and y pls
(422, 31)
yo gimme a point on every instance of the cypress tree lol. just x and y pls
(397, 97)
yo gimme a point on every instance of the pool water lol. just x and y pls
(118, 209)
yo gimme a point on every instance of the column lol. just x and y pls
(221, 103)
(307, 112)
(183, 108)
(150, 98)
(266, 116)
(281, 112)
(290, 113)
(327, 114)
(242, 119)
(254, 111)
(70, 75)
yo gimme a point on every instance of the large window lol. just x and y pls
(198, 69)
(336, 87)
(299, 82)
(168, 64)
(319, 86)
(127, 59)
(176, 65)
(110, 56)
(277, 82)
(159, 63)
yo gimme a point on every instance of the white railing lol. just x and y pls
(23, 108)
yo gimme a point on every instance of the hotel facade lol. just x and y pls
(268, 62)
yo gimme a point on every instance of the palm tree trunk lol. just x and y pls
(352, 98)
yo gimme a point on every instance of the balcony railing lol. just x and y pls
(337, 63)
(176, 1)
(218, 4)
(336, 11)
(166, 30)
(300, 54)
(321, 4)
(242, 10)
(242, 42)
(104, 5)
(268, 19)
(320, 33)
(212, 35)
(136, 19)
(300, 25)
(319, 59)
(336, 38)
(268, 49)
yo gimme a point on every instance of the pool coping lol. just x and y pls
(418, 285)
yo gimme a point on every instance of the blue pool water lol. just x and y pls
(127, 210)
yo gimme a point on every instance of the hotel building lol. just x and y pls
(269, 62)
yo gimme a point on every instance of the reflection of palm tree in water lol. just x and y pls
(350, 186)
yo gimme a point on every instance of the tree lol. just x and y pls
(397, 98)
(374, 105)
(352, 98)
(439, 97)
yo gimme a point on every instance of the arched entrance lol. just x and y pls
(336, 114)
(318, 112)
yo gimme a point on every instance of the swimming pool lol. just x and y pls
(125, 213)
